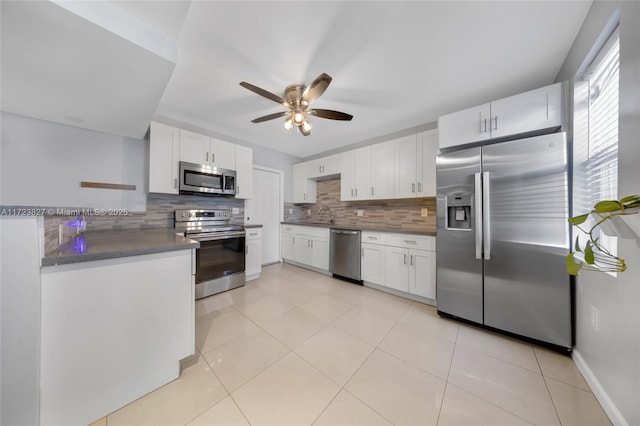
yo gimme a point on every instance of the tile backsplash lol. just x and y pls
(402, 214)
(159, 213)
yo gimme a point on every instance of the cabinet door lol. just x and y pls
(244, 171)
(304, 190)
(397, 273)
(422, 273)
(427, 146)
(469, 125)
(534, 110)
(362, 176)
(373, 263)
(319, 253)
(405, 167)
(288, 245)
(347, 176)
(222, 154)
(194, 147)
(164, 154)
(382, 170)
(253, 259)
(331, 165)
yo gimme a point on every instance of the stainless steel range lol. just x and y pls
(220, 260)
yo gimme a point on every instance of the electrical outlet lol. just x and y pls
(424, 212)
(360, 212)
(308, 212)
(290, 211)
(235, 210)
(595, 318)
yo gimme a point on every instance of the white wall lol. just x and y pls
(20, 277)
(612, 353)
(43, 164)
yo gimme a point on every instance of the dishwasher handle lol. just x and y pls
(342, 232)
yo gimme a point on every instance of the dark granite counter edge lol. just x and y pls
(252, 226)
(362, 228)
(64, 260)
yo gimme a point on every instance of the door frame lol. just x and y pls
(280, 174)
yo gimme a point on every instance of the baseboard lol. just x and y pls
(599, 392)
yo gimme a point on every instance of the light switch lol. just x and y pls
(424, 212)
(360, 212)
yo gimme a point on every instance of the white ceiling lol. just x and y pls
(395, 65)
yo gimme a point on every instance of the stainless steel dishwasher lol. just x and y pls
(344, 258)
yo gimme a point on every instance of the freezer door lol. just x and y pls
(458, 238)
(526, 238)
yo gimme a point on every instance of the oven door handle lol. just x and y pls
(212, 236)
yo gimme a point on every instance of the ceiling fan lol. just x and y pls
(297, 98)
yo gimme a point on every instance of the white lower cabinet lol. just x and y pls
(253, 253)
(306, 246)
(373, 263)
(402, 262)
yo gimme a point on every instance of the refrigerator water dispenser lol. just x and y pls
(458, 211)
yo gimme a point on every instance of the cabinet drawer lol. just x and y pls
(312, 231)
(254, 234)
(420, 242)
(373, 237)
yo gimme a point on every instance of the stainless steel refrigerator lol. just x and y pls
(503, 237)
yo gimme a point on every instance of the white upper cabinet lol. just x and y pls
(304, 189)
(322, 167)
(405, 167)
(427, 151)
(382, 170)
(202, 149)
(222, 154)
(194, 147)
(244, 171)
(469, 125)
(355, 183)
(164, 154)
(526, 112)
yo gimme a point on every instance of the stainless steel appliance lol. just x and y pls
(205, 180)
(503, 237)
(220, 260)
(344, 254)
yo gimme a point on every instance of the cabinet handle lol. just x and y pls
(496, 122)
(246, 249)
(213, 157)
(319, 169)
(304, 196)
(175, 183)
(419, 186)
(410, 241)
(293, 241)
(352, 192)
(405, 259)
(483, 129)
(372, 238)
(356, 192)
(372, 192)
(207, 157)
(411, 260)
(311, 243)
(254, 233)
(362, 252)
(413, 187)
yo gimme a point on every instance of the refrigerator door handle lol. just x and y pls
(486, 215)
(478, 215)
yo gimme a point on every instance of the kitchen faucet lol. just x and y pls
(331, 219)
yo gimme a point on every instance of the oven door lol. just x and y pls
(220, 255)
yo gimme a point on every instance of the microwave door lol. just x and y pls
(203, 182)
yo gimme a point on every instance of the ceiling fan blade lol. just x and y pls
(330, 114)
(304, 132)
(270, 117)
(264, 93)
(316, 88)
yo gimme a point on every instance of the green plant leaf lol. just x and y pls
(588, 254)
(577, 245)
(577, 220)
(630, 199)
(572, 267)
(607, 206)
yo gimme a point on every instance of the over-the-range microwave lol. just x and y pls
(201, 179)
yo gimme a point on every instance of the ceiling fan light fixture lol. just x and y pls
(288, 123)
(298, 117)
(306, 125)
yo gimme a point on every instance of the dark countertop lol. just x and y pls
(360, 228)
(114, 243)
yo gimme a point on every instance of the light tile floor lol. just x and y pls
(299, 348)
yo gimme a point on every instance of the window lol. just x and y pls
(596, 132)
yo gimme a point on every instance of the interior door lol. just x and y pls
(526, 287)
(265, 208)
